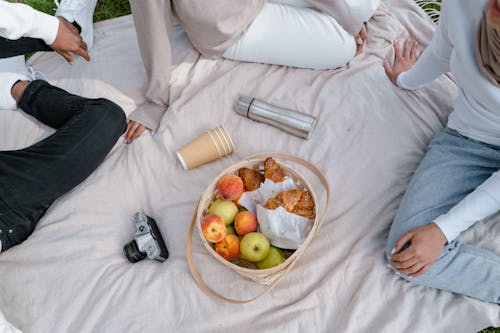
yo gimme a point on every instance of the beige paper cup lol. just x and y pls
(210, 146)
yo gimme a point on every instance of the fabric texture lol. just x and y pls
(488, 43)
(70, 275)
(453, 167)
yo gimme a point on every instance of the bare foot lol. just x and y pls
(18, 89)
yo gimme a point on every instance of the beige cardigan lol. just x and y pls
(212, 26)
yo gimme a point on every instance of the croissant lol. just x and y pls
(273, 170)
(288, 199)
(294, 201)
(305, 206)
(251, 178)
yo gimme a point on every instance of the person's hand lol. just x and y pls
(134, 130)
(68, 40)
(404, 59)
(18, 89)
(426, 244)
(360, 40)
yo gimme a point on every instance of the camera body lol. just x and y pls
(147, 241)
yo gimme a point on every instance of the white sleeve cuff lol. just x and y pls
(44, 27)
(400, 81)
(445, 223)
(7, 80)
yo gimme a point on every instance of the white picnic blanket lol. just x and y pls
(71, 275)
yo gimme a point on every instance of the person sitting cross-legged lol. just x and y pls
(31, 179)
(458, 182)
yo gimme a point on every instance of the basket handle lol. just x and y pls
(189, 247)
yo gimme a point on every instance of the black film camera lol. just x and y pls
(147, 241)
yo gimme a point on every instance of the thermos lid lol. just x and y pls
(242, 105)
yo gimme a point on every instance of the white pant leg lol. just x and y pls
(11, 70)
(294, 36)
(295, 3)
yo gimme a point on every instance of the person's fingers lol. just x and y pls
(397, 51)
(83, 53)
(388, 67)
(413, 269)
(134, 134)
(403, 240)
(359, 45)
(414, 50)
(422, 271)
(362, 33)
(407, 254)
(138, 131)
(84, 45)
(404, 264)
(407, 48)
(132, 125)
(73, 28)
(66, 55)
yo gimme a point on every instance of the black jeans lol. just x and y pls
(31, 179)
(24, 45)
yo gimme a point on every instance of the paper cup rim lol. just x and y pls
(222, 140)
(226, 135)
(215, 144)
(181, 160)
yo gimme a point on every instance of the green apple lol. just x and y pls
(225, 209)
(230, 230)
(254, 247)
(274, 258)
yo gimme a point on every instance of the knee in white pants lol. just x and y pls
(296, 37)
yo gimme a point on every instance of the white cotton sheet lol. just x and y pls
(71, 275)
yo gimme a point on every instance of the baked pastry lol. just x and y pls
(273, 170)
(294, 201)
(288, 199)
(305, 206)
(251, 178)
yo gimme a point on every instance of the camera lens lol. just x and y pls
(132, 252)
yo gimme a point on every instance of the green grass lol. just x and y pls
(107, 9)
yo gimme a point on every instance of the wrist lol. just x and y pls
(439, 233)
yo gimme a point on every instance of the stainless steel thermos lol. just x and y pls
(290, 121)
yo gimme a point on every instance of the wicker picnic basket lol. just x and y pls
(271, 276)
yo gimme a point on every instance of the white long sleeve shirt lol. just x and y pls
(16, 21)
(476, 109)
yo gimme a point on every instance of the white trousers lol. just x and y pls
(291, 33)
